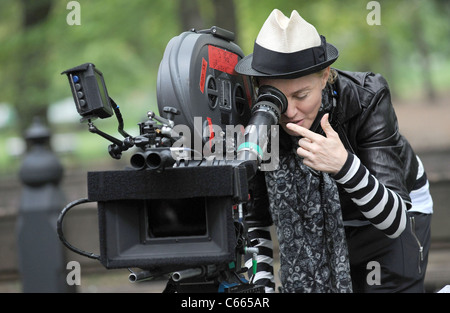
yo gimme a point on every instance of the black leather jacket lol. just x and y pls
(366, 122)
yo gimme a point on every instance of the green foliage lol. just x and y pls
(126, 40)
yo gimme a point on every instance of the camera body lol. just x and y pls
(163, 221)
(172, 212)
(196, 76)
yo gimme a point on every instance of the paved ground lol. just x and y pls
(427, 127)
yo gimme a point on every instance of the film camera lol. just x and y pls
(180, 209)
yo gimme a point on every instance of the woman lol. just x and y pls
(349, 191)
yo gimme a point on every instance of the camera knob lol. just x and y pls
(171, 112)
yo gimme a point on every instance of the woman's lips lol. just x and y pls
(299, 122)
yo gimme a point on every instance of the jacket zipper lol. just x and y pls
(413, 231)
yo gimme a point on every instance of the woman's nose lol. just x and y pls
(291, 110)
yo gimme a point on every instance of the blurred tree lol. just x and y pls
(189, 15)
(225, 15)
(423, 48)
(200, 14)
(32, 82)
(127, 40)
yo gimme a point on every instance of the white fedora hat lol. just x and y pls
(287, 48)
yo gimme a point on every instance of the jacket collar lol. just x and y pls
(347, 86)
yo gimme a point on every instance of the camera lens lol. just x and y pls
(269, 106)
(271, 95)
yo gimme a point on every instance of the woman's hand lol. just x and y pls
(322, 153)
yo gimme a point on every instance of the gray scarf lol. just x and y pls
(306, 211)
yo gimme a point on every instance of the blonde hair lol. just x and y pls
(332, 77)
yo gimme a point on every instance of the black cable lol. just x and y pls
(119, 119)
(240, 280)
(59, 228)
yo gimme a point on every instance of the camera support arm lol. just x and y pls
(117, 146)
(93, 129)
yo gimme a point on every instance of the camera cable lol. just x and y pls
(59, 227)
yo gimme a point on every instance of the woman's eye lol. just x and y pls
(301, 97)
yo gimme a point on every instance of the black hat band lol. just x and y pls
(272, 62)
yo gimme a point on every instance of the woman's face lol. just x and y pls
(304, 95)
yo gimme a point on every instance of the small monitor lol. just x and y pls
(89, 91)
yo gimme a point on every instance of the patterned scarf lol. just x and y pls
(306, 211)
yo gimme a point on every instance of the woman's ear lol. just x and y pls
(325, 76)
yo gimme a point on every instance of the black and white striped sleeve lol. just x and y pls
(260, 237)
(385, 209)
